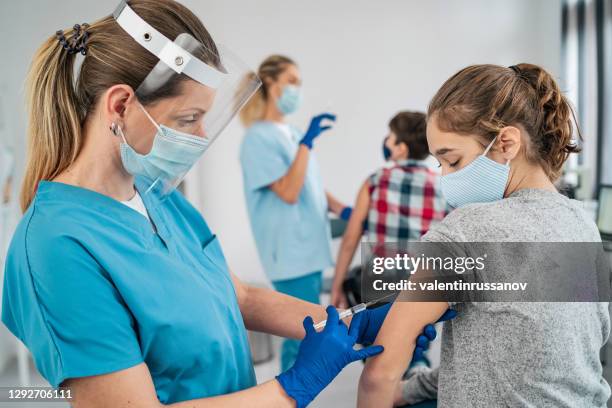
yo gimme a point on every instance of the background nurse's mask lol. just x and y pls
(173, 153)
(483, 180)
(290, 99)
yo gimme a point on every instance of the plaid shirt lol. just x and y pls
(404, 201)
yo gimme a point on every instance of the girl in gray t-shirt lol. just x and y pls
(501, 136)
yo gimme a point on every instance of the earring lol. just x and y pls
(116, 130)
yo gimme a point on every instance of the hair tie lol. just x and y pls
(78, 41)
(516, 69)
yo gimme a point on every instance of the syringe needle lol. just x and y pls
(353, 310)
(342, 315)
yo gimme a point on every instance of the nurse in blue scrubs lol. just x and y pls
(113, 281)
(284, 192)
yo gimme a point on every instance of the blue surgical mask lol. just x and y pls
(482, 181)
(172, 155)
(290, 99)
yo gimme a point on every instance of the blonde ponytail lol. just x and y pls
(54, 120)
(268, 71)
(255, 107)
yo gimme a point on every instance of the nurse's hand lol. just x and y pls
(316, 128)
(322, 355)
(429, 334)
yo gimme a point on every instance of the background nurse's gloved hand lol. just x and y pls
(345, 214)
(316, 128)
(428, 335)
(322, 355)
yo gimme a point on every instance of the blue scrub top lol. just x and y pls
(90, 288)
(293, 240)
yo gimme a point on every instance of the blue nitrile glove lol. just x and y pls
(371, 322)
(345, 214)
(322, 355)
(428, 335)
(315, 128)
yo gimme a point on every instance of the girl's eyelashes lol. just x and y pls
(450, 164)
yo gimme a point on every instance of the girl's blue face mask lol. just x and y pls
(290, 100)
(172, 155)
(482, 181)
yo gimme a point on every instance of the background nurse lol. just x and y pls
(286, 201)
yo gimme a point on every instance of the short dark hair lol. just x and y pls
(410, 129)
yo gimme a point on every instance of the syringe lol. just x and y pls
(353, 310)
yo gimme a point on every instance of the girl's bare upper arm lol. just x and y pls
(399, 332)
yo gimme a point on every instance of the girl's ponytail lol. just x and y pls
(555, 141)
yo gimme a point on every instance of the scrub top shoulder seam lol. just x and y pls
(34, 288)
(107, 369)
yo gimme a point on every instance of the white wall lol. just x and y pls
(365, 60)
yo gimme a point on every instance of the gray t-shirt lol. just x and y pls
(522, 354)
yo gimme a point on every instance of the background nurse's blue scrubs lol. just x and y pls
(293, 240)
(285, 198)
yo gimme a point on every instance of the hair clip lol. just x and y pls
(78, 41)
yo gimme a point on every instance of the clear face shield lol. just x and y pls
(213, 85)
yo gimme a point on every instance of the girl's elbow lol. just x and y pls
(377, 378)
